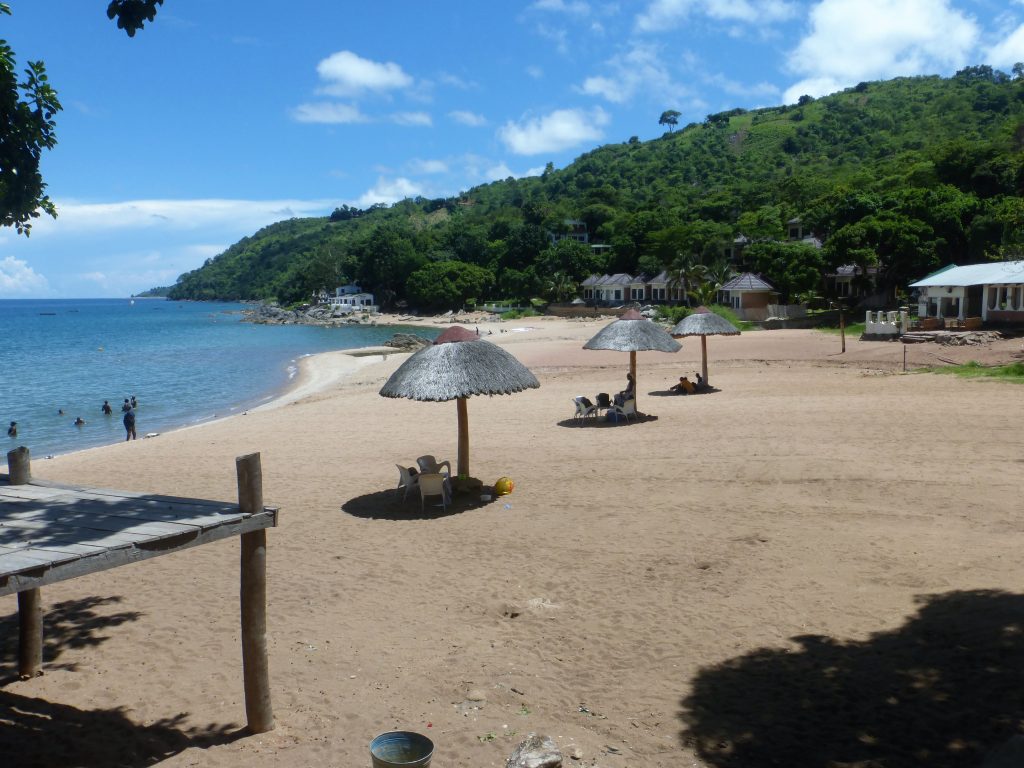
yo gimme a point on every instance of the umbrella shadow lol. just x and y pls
(941, 690)
(672, 393)
(600, 422)
(389, 505)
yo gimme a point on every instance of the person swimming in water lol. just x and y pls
(79, 421)
(12, 431)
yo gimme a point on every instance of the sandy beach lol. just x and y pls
(817, 565)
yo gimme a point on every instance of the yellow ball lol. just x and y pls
(503, 486)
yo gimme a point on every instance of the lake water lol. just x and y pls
(185, 362)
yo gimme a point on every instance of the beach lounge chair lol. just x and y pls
(603, 400)
(406, 480)
(584, 407)
(428, 463)
(434, 484)
(626, 410)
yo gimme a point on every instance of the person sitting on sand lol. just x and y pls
(701, 385)
(12, 431)
(107, 410)
(684, 387)
(629, 393)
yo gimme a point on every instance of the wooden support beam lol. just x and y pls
(19, 466)
(30, 604)
(30, 634)
(462, 465)
(253, 598)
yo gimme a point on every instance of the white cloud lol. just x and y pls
(662, 15)
(641, 69)
(17, 278)
(855, 40)
(535, 72)
(559, 130)
(174, 215)
(467, 118)
(1009, 51)
(428, 166)
(347, 74)
(573, 7)
(389, 191)
(412, 118)
(499, 171)
(763, 89)
(457, 82)
(328, 112)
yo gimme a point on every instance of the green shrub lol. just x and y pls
(673, 314)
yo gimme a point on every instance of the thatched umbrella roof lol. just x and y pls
(703, 322)
(458, 365)
(633, 333)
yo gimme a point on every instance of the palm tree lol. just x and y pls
(685, 272)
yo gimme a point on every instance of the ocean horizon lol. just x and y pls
(185, 362)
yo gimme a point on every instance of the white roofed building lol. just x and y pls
(993, 291)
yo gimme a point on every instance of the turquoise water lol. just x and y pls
(185, 362)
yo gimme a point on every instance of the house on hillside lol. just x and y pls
(349, 298)
(994, 292)
(611, 290)
(749, 296)
(572, 229)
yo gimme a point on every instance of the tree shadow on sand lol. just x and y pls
(38, 733)
(942, 690)
(70, 624)
(389, 505)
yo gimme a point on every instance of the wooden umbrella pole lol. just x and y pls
(463, 462)
(704, 358)
(632, 371)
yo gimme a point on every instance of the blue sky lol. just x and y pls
(222, 117)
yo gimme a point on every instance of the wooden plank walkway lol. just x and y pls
(51, 532)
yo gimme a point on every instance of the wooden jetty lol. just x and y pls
(51, 532)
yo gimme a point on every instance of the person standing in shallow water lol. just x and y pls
(107, 410)
(12, 431)
(129, 425)
(126, 407)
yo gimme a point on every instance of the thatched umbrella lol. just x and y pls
(633, 333)
(457, 365)
(703, 322)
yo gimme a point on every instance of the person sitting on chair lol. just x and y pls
(684, 387)
(628, 393)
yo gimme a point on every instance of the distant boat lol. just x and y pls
(51, 314)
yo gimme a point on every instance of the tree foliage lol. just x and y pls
(28, 106)
(906, 175)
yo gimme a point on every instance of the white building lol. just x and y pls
(993, 291)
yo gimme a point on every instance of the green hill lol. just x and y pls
(905, 175)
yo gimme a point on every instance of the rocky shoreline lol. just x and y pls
(321, 314)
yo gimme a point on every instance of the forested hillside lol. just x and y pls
(907, 175)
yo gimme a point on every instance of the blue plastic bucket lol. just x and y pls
(401, 749)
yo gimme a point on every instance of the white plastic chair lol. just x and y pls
(627, 409)
(434, 484)
(582, 409)
(428, 463)
(406, 480)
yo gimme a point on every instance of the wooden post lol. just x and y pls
(704, 359)
(842, 326)
(30, 604)
(30, 634)
(632, 371)
(253, 598)
(462, 466)
(19, 466)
